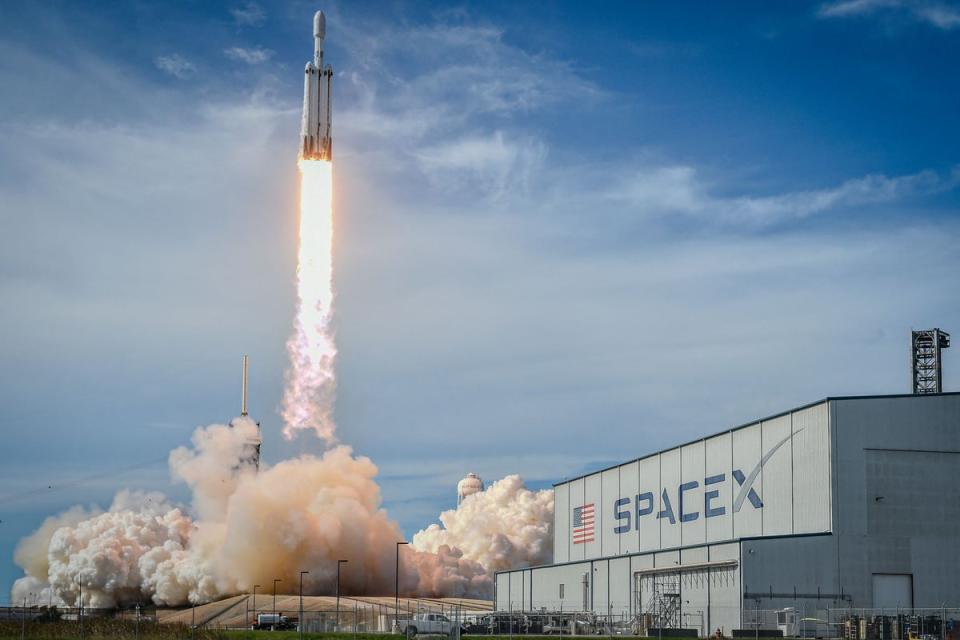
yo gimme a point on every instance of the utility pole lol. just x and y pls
(396, 587)
(255, 603)
(275, 581)
(339, 562)
(300, 619)
(756, 616)
(80, 610)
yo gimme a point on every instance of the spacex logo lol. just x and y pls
(645, 504)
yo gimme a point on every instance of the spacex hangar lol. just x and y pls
(846, 503)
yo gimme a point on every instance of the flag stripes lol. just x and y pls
(583, 524)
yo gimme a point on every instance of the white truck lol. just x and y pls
(430, 623)
(272, 621)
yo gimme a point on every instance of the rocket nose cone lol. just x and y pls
(319, 25)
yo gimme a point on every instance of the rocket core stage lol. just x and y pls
(316, 142)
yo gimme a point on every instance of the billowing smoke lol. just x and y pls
(503, 527)
(247, 527)
(31, 554)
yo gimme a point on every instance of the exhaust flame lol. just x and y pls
(310, 385)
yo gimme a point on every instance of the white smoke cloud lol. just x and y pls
(503, 527)
(31, 555)
(221, 455)
(248, 527)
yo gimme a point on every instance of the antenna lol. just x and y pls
(246, 378)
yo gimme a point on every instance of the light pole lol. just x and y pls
(23, 619)
(396, 587)
(255, 603)
(80, 610)
(300, 621)
(275, 581)
(339, 562)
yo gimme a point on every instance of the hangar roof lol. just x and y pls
(753, 422)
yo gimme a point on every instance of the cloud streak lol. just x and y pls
(250, 14)
(677, 190)
(253, 55)
(176, 66)
(460, 73)
(935, 14)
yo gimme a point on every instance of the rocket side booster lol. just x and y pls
(316, 141)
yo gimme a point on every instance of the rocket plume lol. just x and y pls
(310, 383)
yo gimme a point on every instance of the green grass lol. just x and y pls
(110, 629)
(101, 629)
(295, 635)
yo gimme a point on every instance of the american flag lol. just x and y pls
(583, 523)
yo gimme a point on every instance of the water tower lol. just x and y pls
(470, 485)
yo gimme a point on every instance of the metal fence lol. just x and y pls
(847, 623)
(810, 621)
(352, 616)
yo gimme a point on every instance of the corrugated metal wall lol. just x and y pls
(877, 473)
(767, 479)
(897, 504)
(622, 587)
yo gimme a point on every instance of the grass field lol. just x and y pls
(111, 629)
(120, 629)
(103, 629)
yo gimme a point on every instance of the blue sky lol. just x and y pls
(565, 236)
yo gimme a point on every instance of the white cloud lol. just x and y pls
(254, 55)
(250, 14)
(470, 74)
(176, 65)
(678, 190)
(453, 121)
(843, 8)
(940, 16)
(464, 72)
(492, 164)
(936, 14)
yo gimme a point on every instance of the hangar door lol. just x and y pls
(677, 597)
(662, 594)
(891, 590)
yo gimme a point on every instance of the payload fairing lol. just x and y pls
(317, 143)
